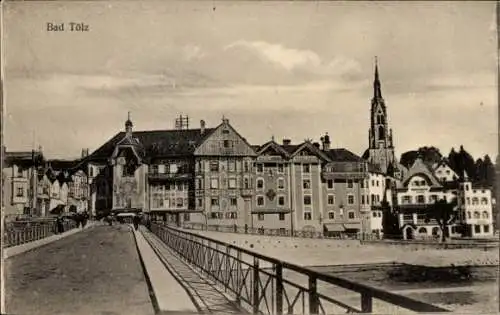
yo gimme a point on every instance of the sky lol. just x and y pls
(284, 69)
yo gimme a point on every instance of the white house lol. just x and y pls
(476, 210)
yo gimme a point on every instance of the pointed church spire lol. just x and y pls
(377, 92)
(128, 125)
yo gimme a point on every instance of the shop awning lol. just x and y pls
(334, 227)
(352, 226)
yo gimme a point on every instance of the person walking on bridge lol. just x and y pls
(136, 221)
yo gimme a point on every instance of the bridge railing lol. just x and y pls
(278, 232)
(32, 231)
(264, 285)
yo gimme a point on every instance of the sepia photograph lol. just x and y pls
(249, 157)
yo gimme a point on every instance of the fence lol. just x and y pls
(278, 232)
(264, 285)
(32, 231)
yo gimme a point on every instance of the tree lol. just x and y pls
(444, 213)
(390, 224)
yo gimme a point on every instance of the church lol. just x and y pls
(380, 153)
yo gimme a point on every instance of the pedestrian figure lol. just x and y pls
(136, 221)
(60, 225)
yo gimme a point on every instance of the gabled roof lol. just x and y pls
(308, 145)
(274, 146)
(420, 168)
(158, 143)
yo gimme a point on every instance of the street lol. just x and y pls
(96, 271)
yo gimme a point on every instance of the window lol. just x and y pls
(485, 215)
(227, 144)
(261, 217)
(260, 201)
(260, 183)
(307, 216)
(231, 165)
(330, 184)
(373, 182)
(214, 183)
(477, 229)
(180, 202)
(281, 183)
(246, 183)
(281, 200)
(260, 168)
(486, 228)
(306, 168)
(281, 168)
(214, 166)
(377, 183)
(199, 183)
(232, 183)
(171, 168)
(234, 202)
(476, 215)
(306, 184)
(331, 199)
(215, 202)
(19, 172)
(161, 169)
(484, 201)
(362, 199)
(200, 202)
(331, 215)
(475, 201)
(469, 215)
(307, 200)
(350, 214)
(246, 166)
(374, 214)
(350, 199)
(20, 192)
(281, 216)
(432, 198)
(350, 183)
(406, 199)
(373, 198)
(420, 199)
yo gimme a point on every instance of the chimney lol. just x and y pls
(326, 142)
(287, 141)
(202, 126)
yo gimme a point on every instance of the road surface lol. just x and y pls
(96, 271)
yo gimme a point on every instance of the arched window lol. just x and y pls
(469, 215)
(246, 184)
(435, 231)
(484, 201)
(422, 230)
(476, 215)
(380, 118)
(381, 133)
(485, 215)
(475, 201)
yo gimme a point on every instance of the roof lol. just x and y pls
(343, 155)
(22, 157)
(158, 143)
(420, 168)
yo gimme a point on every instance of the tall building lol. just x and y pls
(380, 152)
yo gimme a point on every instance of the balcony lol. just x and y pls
(169, 176)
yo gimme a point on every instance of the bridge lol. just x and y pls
(159, 269)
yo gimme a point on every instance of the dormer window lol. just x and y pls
(225, 131)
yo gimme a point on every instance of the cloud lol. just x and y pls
(192, 52)
(296, 60)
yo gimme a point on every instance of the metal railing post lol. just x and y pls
(313, 295)
(255, 285)
(279, 288)
(366, 302)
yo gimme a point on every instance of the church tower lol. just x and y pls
(381, 149)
